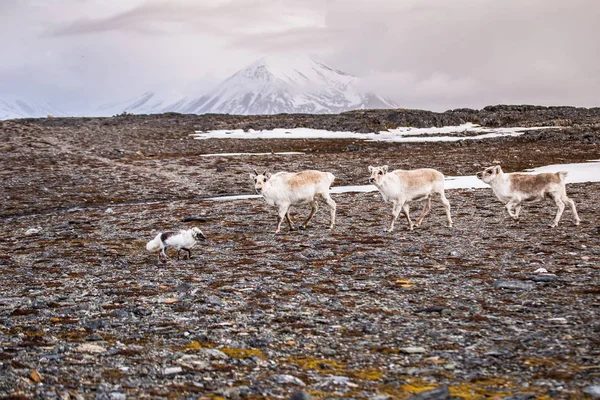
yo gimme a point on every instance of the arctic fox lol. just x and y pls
(182, 240)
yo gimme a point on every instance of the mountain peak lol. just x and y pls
(269, 85)
(294, 69)
(17, 108)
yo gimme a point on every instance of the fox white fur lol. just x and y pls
(286, 189)
(182, 240)
(513, 189)
(402, 187)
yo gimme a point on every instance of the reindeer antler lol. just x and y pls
(254, 170)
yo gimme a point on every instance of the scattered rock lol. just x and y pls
(33, 231)
(90, 348)
(284, 379)
(194, 363)
(300, 395)
(514, 285)
(35, 376)
(544, 278)
(439, 393)
(184, 287)
(412, 350)
(593, 391)
(558, 321)
(214, 353)
(521, 397)
(236, 393)
(191, 218)
(94, 337)
(332, 381)
(214, 300)
(172, 371)
(432, 309)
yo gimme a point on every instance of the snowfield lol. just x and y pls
(404, 134)
(280, 153)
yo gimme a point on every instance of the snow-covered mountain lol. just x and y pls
(275, 85)
(26, 109)
(267, 86)
(151, 102)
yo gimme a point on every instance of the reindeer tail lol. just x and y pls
(331, 177)
(562, 175)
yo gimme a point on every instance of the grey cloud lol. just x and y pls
(537, 51)
(143, 19)
(308, 40)
(167, 17)
(421, 53)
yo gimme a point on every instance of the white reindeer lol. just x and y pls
(514, 189)
(285, 189)
(402, 187)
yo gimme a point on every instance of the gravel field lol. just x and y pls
(87, 312)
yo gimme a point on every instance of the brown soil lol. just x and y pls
(312, 304)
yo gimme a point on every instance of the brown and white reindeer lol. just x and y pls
(402, 187)
(286, 189)
(514, 189)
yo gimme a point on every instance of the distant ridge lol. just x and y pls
(11, 109)
(267, 86)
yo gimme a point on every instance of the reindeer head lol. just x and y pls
(259, 180)
(489, 173)
(377, 174)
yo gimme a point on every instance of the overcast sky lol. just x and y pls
(431, 54)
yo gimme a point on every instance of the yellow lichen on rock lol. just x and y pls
(242, 353)
(319, 364)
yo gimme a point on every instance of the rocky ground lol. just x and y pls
(87, 312)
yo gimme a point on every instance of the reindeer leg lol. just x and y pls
(561, 208)
(571, 203)
(283, 210)
(446, 204)
(406, 211)
(313, 208)
(289, 220)
(332, 207)
(396, 207)
(426, 209)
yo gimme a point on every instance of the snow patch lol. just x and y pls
(405, 134)
(281, 153)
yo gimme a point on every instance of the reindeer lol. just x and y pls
(286, 189)
(514, 189)
(402, 187)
